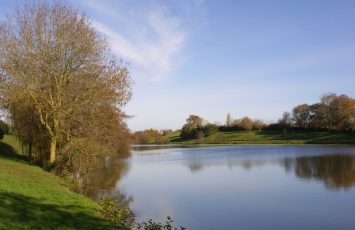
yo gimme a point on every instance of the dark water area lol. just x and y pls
(236, 187)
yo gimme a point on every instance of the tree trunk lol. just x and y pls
(30, 151)
(53, 148)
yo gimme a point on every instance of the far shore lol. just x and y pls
(246, 138)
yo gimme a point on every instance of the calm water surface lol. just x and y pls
(238, 187)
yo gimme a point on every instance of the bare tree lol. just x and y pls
(286, 120)
(258, 124)
(246, 123)
(55, 62)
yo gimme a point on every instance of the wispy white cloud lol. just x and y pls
(149, 39)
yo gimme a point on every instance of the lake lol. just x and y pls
(237, 187)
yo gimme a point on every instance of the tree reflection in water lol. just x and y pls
(336, 171)
(102, 180)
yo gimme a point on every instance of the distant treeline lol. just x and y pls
(333, 113)
(151, 136)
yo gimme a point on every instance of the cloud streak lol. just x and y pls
(151, 43)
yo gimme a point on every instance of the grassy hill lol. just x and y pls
(270, 137)
(31, 198)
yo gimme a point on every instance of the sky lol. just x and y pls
(251, 58)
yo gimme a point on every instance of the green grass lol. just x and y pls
(12, 142)
(175, 137)
(271, 137)
(31, 198)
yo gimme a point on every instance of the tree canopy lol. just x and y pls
(62, 87)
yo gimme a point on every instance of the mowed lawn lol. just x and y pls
(271, 137)
(31, 198)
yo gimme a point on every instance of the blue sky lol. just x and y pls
(208, 57)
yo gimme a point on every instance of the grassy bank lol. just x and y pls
(270, 137)
(31, 198)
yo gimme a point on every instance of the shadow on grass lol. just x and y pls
(334, 138)
(18, 211)
(9, 152)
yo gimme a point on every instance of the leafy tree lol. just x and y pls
(193, 122)
(142, 137)
(342, 113)
(55, 67)
(333, 113)
(328, 113)
(301, 115)
(317, 116)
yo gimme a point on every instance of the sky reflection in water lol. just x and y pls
(242, 187)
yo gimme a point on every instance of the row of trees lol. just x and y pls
(333, 112)
(244, 123)
(151, 136)
(61, 87)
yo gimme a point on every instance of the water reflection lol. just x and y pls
(227, 186)
(103, 179)
(155, 147)
(336, 171)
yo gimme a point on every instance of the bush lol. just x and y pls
(199, 132)
(209, 129)
(151, 225)
(117, 212)
(199, 135)
(188, 132)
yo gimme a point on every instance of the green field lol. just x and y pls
(31, 198)
(270, 137)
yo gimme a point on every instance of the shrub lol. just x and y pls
(210, 129)
(151, 225)
(117, 212)
(199, 135)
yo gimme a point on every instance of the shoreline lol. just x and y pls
(164, 146)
